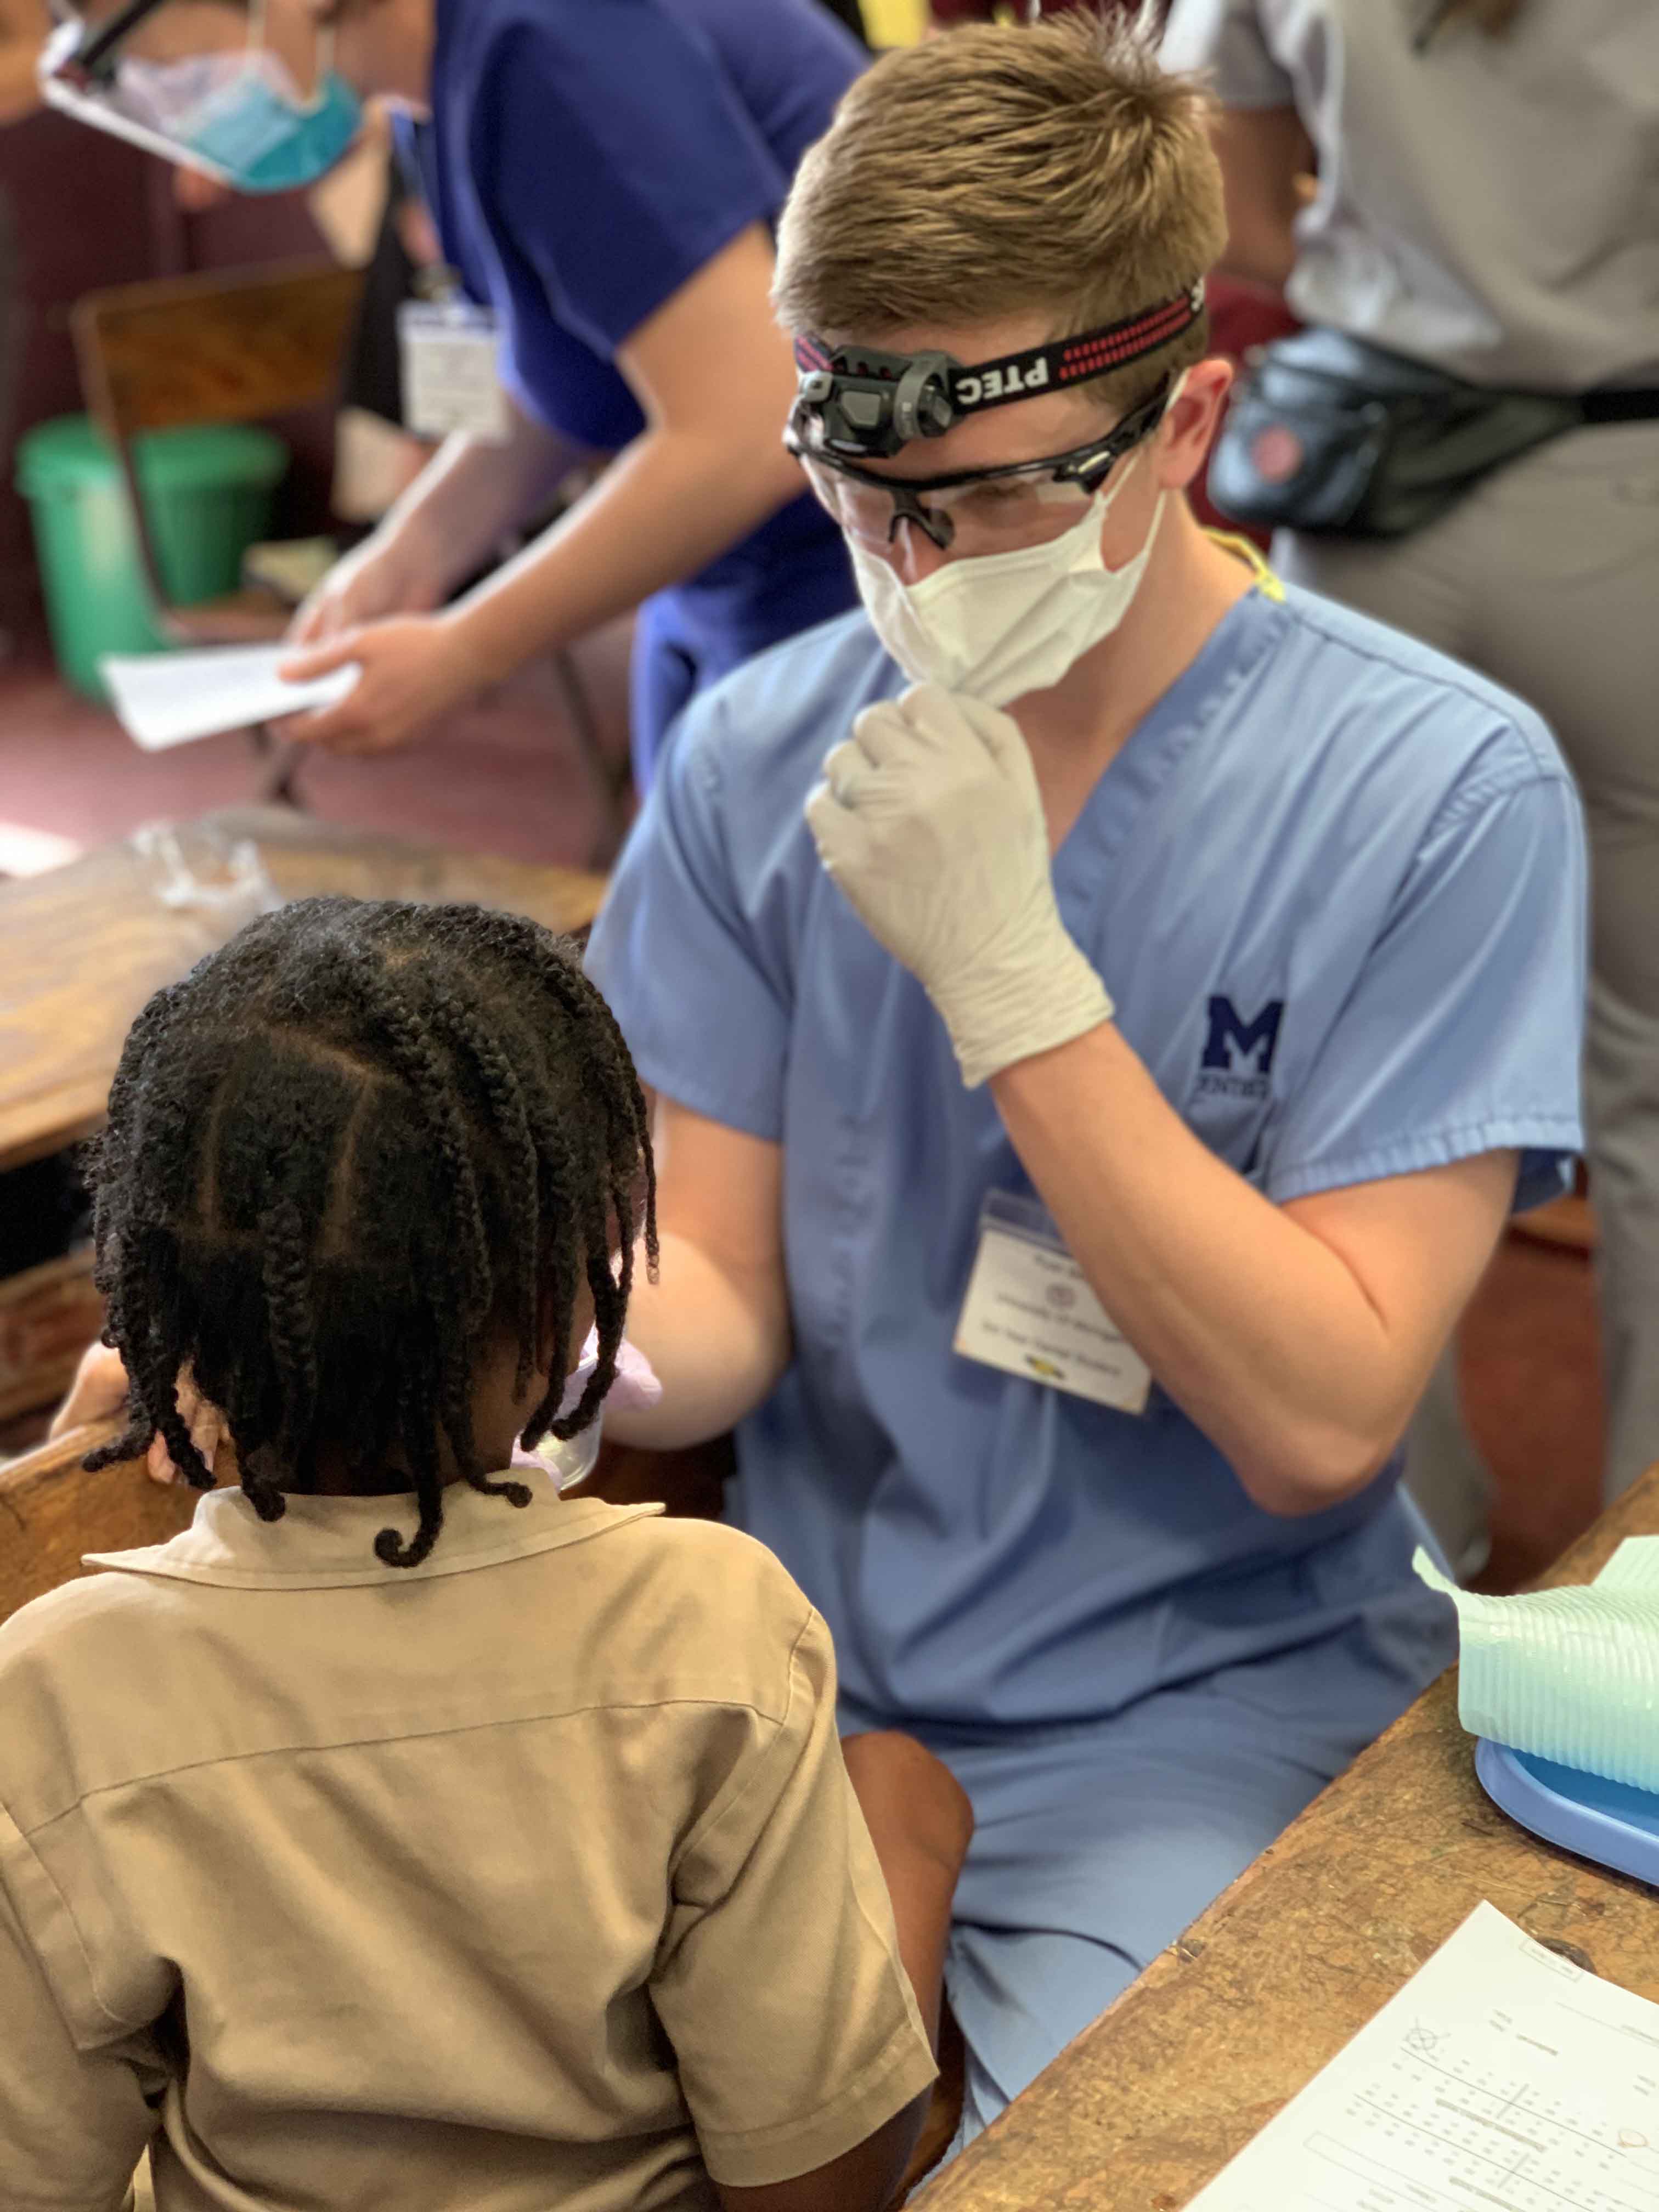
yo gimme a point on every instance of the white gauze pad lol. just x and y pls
(1570, 1675)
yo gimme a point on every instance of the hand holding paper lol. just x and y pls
(165, 699)
(412, 668)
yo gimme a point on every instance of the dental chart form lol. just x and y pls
(1502, 2078)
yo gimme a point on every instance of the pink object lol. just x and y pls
(636, 1388)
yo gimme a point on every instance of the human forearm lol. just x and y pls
(717, 1336)
(1260, 256)
(19, 83)
(1265, 155)
(666, 506)
(473, 493)
(1259, 1330)
(714, 378)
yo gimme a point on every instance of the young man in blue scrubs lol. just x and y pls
(605, 176)
(1091, 1081)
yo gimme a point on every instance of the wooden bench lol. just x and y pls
(52, 1511)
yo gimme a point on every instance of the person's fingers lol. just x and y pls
(207, 1432)
(844, 765)
(939, 724)
(353, 726)
(200, 1416)
(366, 720)
(322, 660)
(310, 622)
(98, 1392)
(207, 1436)
(881, 732)
(157, 1465)
(828, 820)
(1002, 739)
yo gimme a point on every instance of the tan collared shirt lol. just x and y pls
(529, 1878)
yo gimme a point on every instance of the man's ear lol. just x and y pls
(1188, 426)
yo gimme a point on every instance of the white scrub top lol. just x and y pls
(1490, 206)
(1335, 884)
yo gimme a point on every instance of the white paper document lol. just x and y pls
(169, 698)
(1502, 2078)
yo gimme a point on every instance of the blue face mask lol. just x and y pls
(263, 139)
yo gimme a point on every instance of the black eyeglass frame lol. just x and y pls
(1087, 466)
(95, 51)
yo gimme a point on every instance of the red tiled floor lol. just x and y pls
(502, 777)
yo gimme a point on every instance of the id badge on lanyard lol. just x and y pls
(1030, 1312)
(447, 348)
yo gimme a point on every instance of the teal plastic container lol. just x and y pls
(207, 493)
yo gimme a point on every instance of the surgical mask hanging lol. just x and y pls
(242, 118)
(571, 1460)
(997, 625)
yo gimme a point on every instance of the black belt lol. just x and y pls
(1639, 405)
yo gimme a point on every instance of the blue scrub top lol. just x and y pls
(1336, 885)
(584, 159)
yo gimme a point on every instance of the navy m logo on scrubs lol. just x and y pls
(1238, 1055)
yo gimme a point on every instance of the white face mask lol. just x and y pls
(571, 1460)
(997, 625)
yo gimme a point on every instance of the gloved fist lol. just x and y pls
(930, 820)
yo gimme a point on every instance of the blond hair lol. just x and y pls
(999, 173)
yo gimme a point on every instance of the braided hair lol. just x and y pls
(348, 1148)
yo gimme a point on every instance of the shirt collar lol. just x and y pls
(323, 1543)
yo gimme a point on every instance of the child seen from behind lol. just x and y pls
(404, 1832)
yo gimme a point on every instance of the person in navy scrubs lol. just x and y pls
(605, 175)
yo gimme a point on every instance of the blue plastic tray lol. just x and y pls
(1610, 1821)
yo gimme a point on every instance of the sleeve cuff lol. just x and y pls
(1538, 1140)
(900, 2072)
(749, 1112)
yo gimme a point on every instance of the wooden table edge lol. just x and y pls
(995, 2156)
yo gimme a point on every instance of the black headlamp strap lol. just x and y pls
(104, 41)
(1017, 375)
(1070, 361)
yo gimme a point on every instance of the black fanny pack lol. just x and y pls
(1327, 433)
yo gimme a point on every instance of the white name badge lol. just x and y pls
(450, 379)
(1028, 1311)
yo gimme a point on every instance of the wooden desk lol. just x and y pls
(1225, 2027)
(82, 947)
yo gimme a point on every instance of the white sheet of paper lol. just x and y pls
(170, 698)
(1501, 2076)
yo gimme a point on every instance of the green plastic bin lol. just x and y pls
(207, 492)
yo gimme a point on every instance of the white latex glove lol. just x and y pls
(929, 818)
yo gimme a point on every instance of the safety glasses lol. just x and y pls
(973, 510)
(91, 51)
(160, 106)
